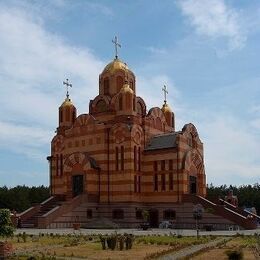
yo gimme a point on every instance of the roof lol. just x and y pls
(163, 141)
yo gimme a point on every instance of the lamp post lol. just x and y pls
(197, 215)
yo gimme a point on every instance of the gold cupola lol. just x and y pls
(67, 111)
(169, 115)
(111, 80)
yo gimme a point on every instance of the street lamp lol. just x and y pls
(197, 215)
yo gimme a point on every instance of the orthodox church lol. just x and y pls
(121, 159)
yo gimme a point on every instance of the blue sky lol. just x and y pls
(205, 51)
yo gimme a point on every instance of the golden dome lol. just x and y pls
(67, 102)
(166, 108)
(116, 64)
(126, 89)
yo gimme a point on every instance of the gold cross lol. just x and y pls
(164, 89)
(67, 87)
(117, 44)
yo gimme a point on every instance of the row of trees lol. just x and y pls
(21, 198)
(248, 195)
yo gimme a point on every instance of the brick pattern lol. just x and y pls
(115, 136)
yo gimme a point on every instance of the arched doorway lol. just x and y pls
(77, 185)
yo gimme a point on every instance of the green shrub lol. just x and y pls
(6, 225)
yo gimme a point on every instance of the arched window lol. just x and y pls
(67, 113)
(106, 86)
(119, 83)
(131, 84)
(101, 106)
(134, 103)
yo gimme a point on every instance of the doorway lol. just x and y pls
(77, 185)
(193, 185)
(154, 218)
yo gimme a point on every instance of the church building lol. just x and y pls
(122, 154)
(119, 160)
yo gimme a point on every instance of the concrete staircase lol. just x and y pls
(30, 217)
(229, 212)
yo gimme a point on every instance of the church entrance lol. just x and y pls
(77, 185)
(154, 218)
(193, 185)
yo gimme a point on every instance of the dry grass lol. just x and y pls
(243, 243)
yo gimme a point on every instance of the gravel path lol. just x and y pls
(191, 250)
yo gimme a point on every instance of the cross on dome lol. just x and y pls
(67, 87)
(164, 89)
(117, 44)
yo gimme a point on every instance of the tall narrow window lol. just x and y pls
(135, 188)
(106, 86)
(57, 164)
(61, 164)
(170, 181)
(163, 182)
(163, 165)
(117, 163)
(135, 158)
(73, 116)
(61, 116)
(139, 183)
(155, 166)
(155, 182)
(134, 103)
(170, 165)
(122, 158)
(139, 159)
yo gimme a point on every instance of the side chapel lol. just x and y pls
(121, 158)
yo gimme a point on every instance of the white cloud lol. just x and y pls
(33, 64)
(231, 150)
(215, 19)
(156, 51)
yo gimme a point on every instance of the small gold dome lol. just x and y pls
(67, 102)
(116, 64)
(126, 89)
(166, 108)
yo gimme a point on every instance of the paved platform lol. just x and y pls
(156, 231)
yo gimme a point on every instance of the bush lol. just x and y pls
(234, 254)
(6, 226)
